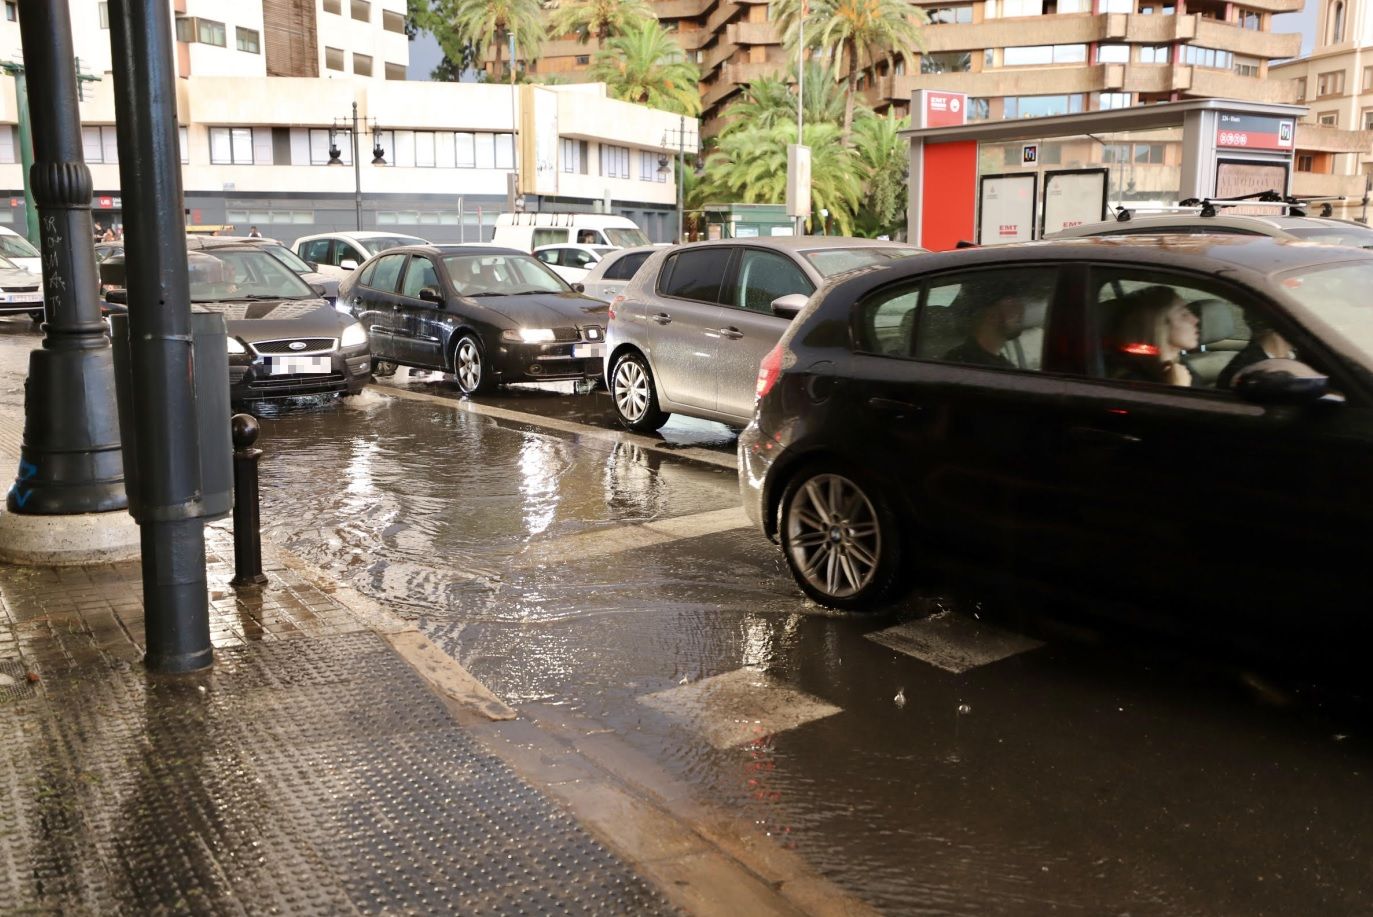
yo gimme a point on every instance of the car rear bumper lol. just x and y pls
(755, 458)
(348, 373)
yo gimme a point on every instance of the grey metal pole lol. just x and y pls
(357, 171)
(70, 460)
(681, 169)
(175, 597)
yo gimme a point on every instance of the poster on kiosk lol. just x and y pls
(1006, 208)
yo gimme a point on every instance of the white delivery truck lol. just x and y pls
(528, 231)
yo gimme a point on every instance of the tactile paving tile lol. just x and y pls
(313, 776)
(14, 681)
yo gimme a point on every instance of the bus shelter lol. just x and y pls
(993, 182)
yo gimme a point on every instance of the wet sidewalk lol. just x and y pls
(332, 761)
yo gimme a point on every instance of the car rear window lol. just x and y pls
(626, 267)
(695, 274)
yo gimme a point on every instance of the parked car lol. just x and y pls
(885, 447)
(609, 276)
(284, 339)
(528, 231)
(21, 292)
(487, 315)
(688, 332)
(20, 252)
(1324, 230)
(325, 284)
(338, 254)
(571, 262)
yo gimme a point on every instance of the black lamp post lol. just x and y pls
(336, 157)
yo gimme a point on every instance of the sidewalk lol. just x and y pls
(332, 761)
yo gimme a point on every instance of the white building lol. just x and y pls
(265, 87)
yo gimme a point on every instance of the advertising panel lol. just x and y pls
(1254, 132)
(1073, 197)
(539, 168)
(942, 109)
(1236, 179)
(1006, 208)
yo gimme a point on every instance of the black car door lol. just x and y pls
(422, 325)
(373, 300)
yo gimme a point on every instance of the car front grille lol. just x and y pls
(319, 382)
(32, 289)
(312, 346)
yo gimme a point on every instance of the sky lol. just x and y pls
(425, 53)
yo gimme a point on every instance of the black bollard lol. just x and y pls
(247, 538)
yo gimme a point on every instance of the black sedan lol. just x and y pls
(1178, 428)
(284, 339)
(487, 315)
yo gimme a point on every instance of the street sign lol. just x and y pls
(942, 109)
(1029, 154)
(798, 180)
(1254, 132)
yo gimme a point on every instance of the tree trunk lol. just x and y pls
(496, 70)
(851, 82)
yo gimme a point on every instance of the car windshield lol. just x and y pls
(288, 258)
(9, 265)
(501, 275)
(382, 243)
(625, 238)
(1352, 236)
(833, 261)
(221, 276)
(1338, 294)
(17, 247)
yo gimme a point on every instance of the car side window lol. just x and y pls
(387, 273)
(365, 278)
(575, 257)
(625, 267)
(419, 274)
(548, 255)
(316, 250)
(695, 274)
(992, 317)
(764, 276)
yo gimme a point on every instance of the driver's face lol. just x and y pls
(1010, 313)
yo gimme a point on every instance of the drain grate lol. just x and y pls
(14, 681)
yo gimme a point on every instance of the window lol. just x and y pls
(183, 141)
(424, 150)
(614, 161)
(695, 274)
(1248, 19)
(466, 155)
(333, 59)
(185, 29)
(1041, 106)
(1152, 153)
(387, 273)
(1115, 152)
(950, 15)
(102, 10)
(1337, 22)
(263, 217)
(764, 276)
(991, 318)
(1247, 66)
(362, 64)
(1306, 162)
(316, 250)
(1368, 119)
(947, 62)
(899, 66)
(395, 71)
(1367, 79)
(319, 146)
(98, 144)
(573, 155)
(1117, 6)
(231, 145)
(361, 10)
(420, 273)
(1301, 89)
(583, 59)
(1113, 54)
(333, 6)
(1328, 118)
(1030, 55)
(393, 22)
(247, 40)
(1109, 101)
(625, 267)
(1012, 8)
(12, 12)
(648, 167)
(209, 32)
(1330, 84)
(1207, 57)
(1153, 54)
(979, 109)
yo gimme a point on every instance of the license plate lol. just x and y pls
(290, 366)
(22, 297)
(588, 350)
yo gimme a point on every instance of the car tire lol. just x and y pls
(470, 367)
(634, 395)
(36, 317)
(840, 538)
(384, 368)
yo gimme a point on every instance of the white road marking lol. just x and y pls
(954, 642)
(586, 431)
(631, 537)
(739, 707)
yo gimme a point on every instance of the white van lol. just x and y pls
(528, 231)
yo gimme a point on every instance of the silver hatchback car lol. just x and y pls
(689, 332)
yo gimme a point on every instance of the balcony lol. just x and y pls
(1027, 30)
(1227, 37)
(1026, 81)
(1313, 184)
(681, 9)
(1320, 138)
(1152, 30)
(1204, 82)
(753, 33)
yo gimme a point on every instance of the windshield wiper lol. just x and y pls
(527, 292)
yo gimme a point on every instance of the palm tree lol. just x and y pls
(751, 166)
(645, 65)
(771, 100)
(598, 18)
(884, 157)
(477, 22)
(855, 28)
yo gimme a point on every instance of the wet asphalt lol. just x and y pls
(1096, 773)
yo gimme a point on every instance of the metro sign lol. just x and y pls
(1254, 132)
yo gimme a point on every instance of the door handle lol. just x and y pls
(1100, 437)
(731, 332)
(663, 318)
(894, 406)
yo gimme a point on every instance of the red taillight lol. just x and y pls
(769, 371)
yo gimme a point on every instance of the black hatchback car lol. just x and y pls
(1177, 426)
(487, 315)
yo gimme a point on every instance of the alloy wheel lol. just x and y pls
(833, 535)
(469, 365)
(631, 390)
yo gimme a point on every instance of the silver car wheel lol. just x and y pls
(469, 365)
(833, 535)
(631, 390)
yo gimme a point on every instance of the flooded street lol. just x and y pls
(568, 565)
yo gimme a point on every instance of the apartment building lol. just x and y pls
(1334, 154)
(1015, 58)
(267, 87)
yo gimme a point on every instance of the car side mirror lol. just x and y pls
(118, 297)
(348, 264)
(788, 306)
(1280, 382)
(579, 288)
(313, 265)
(318, 288)
(429, 294)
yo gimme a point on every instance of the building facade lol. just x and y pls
(267, 87)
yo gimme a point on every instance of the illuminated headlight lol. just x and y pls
(236, 346)
(528, 335)
(353, 335)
